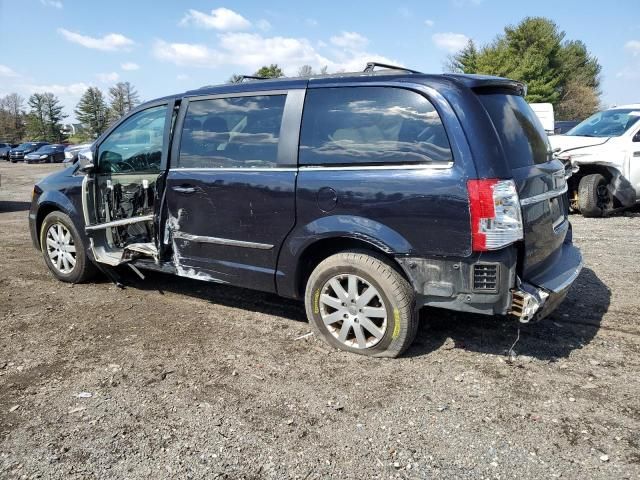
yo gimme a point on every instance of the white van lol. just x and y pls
(544, 112)
(605, 150)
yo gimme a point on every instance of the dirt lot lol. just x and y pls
(185, 379)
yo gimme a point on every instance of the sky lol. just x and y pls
(165, 47)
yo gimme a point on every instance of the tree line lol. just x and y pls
(41, 117)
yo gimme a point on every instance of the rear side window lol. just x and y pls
(238, 132)
(371, 126)
(521, 134)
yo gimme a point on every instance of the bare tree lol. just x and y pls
(306, 71)
(12, 118)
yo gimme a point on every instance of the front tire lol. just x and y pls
(358, 302)
(594, 197)
(64, 250)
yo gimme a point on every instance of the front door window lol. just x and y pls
(135, 145)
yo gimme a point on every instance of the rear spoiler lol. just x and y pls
(488, 83)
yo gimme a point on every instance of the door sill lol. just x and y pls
(118, 223)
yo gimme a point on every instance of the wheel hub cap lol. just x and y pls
(61, 248)
(353, 311)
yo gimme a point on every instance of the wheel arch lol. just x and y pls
(623, 192)
(314, 253)
(45, 208)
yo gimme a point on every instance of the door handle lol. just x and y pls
(636, 154)
(184, 189)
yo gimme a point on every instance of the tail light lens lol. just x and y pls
(496, 218)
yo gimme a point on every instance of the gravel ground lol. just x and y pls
(174, 378)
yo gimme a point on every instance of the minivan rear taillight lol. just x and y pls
(496, 218)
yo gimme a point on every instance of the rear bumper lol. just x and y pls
(545, 292)
(450, 283)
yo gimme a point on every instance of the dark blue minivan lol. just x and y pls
(368, 195)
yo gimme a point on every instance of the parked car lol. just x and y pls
(17, 154)
(71, 152)
(563, 126)
(4, 150)
(368, 195)
(604, 151)
(46, 154)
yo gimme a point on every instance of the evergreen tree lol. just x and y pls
(271, 71)
(54, 117)
(123, 97)
(37, 117)
(466, 60)
(92, 113)
(536, 53)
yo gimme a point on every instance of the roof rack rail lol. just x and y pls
(252, 77)
(372, 65)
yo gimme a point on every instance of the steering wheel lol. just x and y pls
(123, 166)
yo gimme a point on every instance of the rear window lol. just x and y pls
(371, 126)
(521, 134)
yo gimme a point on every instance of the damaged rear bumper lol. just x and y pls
(538, 297)
(462, 285)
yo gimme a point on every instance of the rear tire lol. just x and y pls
(358, 302)
(63, 249)
(594, 197)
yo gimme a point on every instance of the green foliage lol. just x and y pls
(536, 53)
(92, 113)
(466, 60)
(12, 118)
(272, 71)
(123, 97)
(44, 120)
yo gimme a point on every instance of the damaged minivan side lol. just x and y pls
(604, 153)
(367, 195)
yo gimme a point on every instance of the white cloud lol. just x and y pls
(51, 3)
(253, 51)
(190, 54)
(110, 77)
(429, 23)
(182, 77)
(451, 42)
(633, 46)
(7, 72)
(349, 41)
(129, 66)
(73, 89)
(109, 42)
(220, 19)
(250, 51)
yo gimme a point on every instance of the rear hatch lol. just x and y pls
(539, 177)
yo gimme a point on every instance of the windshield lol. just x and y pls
(610, 123)
(26, 146)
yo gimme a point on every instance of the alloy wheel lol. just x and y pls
(353, 311)
(61, 248)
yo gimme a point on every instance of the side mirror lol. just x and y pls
(85, 159)
(636, 137)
